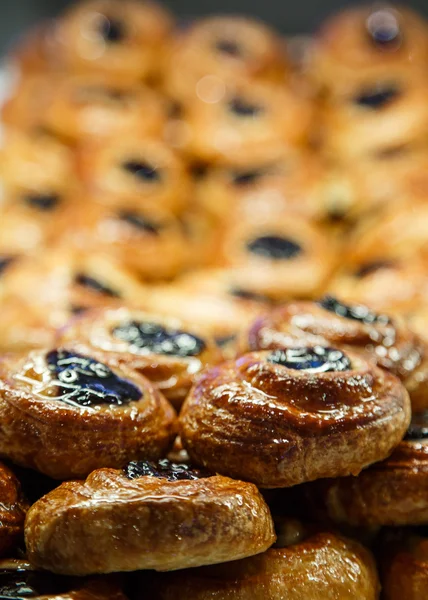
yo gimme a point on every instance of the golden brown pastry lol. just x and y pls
(24, 109)
(138, 169)
(293, 415)
(247, 116)
(375, 115)
(321, 566)
(170, 353)
(89, 107)
(161, 515)
(122, 40)
(66, 414)
(392, 285)
(218, 49)
(387, 341)
(278, 256)
(18, 578)
(404, 564)
(391, 492)
(372, 39)
(211, 300)
(13, 507)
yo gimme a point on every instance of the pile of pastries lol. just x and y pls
(213, 323)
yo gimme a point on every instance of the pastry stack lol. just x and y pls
(213, 333)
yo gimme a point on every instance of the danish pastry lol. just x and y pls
(66, 414)
(278, 256)
(168, 352)
(374, 40)
(136, 168)
(161, 515)
(87, 107)
(249, 115)
(13, 507)
(386, 341)
(122, 40)
(293, 415)
(404, 564)
(20, 579)
(391, 492)
(218, 49)
(321, 567)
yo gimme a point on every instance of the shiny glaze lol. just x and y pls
(22, 583)
(384, 29)
(164, 469)
(317, 359)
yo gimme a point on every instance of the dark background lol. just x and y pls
(297, 16)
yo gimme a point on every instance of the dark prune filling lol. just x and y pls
(378, 97)
(247, 295)
(20, 584)
(314, 360)
(274, 247)
(418, 429)
(139, 221)
(230, 47)
(142, 170)
(242, 178)
(225, 340)
(84, 381)
(95, 285)
(164, 469)
(357, 312)
(373, 267)
(242, 108)
(155, 338)
(5, 262)
(384, 30)
(112, 30)
(44, 202)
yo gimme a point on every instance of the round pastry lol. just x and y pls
(139, 168)
(123, 40)
(211, 300)
(322, 566)
(248, 115)
(170, 353)
(404, 564)
(66, 414)
(161, 515)
(20, 579)
(387, 285)
(278, 256)
(286, 181)
(151, 243)
(388, 342)
(218, 49)
(391, 492)
(398, 233)
(293, 415)
(375, 115)
(377, 39)
(86, 107)
(13, 507)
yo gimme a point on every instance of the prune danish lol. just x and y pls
(13, 507)
(122, 40)
(87, 107)
(149, 242)
(66, 414)
(161, 515)
(387, 341)
(293, 415)
(371, 39)
(249, 115)
(278, 256)
(137, 168)
(19, 579)
(391, 492)
(404, 564)
(167, 351)
(321, 566)
(219, 49)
